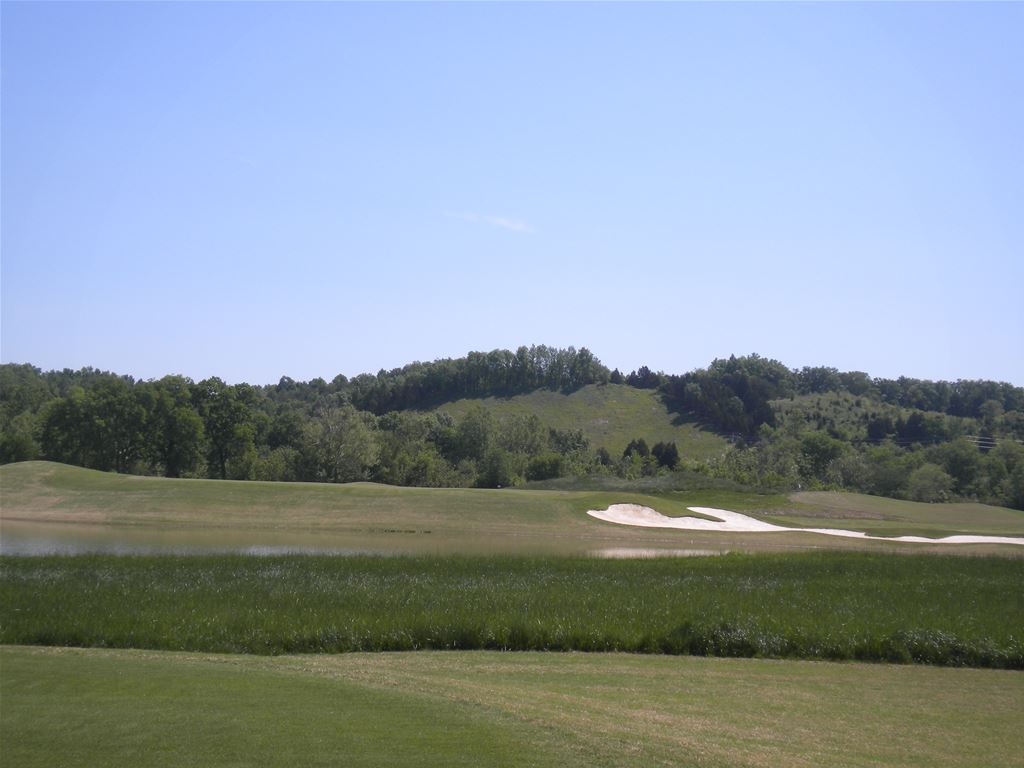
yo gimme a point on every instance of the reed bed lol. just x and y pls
(947, 610)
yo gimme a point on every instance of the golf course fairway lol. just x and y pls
(138, 708)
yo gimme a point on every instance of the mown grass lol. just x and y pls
(75, 709)
(46, 491)
(610, 415)
(928, 609)
(445, 520)
(897, 517)
(99, 707)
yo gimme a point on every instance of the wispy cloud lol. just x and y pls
(504, 222)
(501, 222)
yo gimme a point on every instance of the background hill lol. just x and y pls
(608, 415)
(538, 414)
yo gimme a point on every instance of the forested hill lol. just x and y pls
(813, 427)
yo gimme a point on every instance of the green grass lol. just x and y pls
(361, 515)
(610, 415)
(73, 707)
(893, 517)
(930, 609)
(90, 707)
(46, 491)
(99, 507)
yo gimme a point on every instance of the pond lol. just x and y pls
(44, 538)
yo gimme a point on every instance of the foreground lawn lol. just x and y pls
(73, 707)
(830, 605)
(125, 709)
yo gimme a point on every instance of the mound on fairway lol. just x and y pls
(40, 501)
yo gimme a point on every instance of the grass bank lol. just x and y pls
(105, 507)
(928, 609)
(76, 707)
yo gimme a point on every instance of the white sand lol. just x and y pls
(734, 522)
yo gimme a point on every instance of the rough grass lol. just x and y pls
(74, 707)
(610, 415)
(929, 609)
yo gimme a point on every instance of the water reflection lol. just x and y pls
(36, 539)
(24, 538)
(630, 553)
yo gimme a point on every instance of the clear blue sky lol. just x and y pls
(253, 190)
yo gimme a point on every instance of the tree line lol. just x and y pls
(735, 395)
(812, 427)
(817, 427)
(365, 428)
(478, 374)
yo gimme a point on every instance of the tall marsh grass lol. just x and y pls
(929, 609)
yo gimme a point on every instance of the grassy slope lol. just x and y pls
(610, 415)
(846, 412)
(100, 707)
(49, 492)
(892, 517)
(507, 520)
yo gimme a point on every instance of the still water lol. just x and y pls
(33, 538)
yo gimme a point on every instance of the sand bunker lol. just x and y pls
(734, 522)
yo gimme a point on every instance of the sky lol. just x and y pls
(257, 190)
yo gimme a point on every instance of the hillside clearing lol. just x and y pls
(610, 415)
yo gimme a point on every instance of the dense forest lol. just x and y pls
(808, 428)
